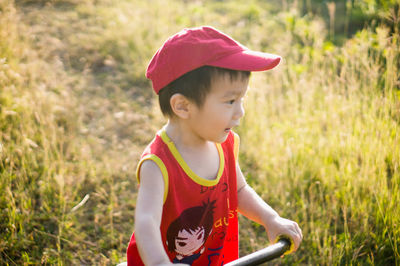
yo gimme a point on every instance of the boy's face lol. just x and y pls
(221, 110)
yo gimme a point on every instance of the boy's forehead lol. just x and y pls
(227, 86)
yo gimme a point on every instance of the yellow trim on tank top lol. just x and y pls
(160, 165)
(236, 144)
(186, 168)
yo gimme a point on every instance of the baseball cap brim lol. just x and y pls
(248, 60)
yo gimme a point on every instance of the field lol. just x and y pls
(320, 141)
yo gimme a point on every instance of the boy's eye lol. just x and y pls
(231, 101)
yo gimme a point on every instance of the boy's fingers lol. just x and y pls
(297, 241)
(294, 233)
(296, 238)
(298, 229)
(297, 234)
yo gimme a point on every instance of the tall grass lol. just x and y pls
(52, 149)
(320, 139)
(322, 133)
(42, 165)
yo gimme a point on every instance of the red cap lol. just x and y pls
(195, 47)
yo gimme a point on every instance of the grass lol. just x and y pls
(328, 142)
(320, 139)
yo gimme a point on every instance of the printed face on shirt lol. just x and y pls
(186, 243)
(221, 111)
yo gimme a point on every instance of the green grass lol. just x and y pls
(320, 139)
(327, 143)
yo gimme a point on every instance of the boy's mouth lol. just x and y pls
(230, 128)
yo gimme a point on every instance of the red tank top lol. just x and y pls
(199, 224)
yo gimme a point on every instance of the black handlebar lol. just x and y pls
(269, 253)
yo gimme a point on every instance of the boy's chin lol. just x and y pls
(223, 138)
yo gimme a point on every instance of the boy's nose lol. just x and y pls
(239, 112)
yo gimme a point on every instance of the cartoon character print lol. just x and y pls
(187, 234)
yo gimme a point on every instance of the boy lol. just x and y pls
(191, 185)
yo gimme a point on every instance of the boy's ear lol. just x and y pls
(180, 105)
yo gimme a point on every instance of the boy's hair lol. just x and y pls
(195, 85)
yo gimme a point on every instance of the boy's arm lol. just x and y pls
(148, 213)
(255, 208)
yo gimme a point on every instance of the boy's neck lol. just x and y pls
(200, 155)
(183, 137)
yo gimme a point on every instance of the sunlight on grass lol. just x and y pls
(326, 143)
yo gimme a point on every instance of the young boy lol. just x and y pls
(191, 185)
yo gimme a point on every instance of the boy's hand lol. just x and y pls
(279, 226)
(254, 207)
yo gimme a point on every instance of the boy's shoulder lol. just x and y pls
(161, 142)
(161, 145)
(154, 145)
